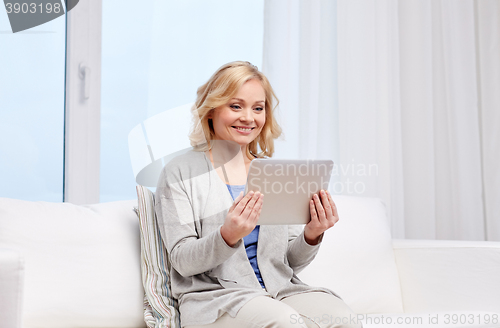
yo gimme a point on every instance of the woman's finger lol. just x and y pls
(312, 210)
(332, 204)
(254, 216)
(240, 196)
(326, 204)
(319, 208)
(250, 205)
(240, 207)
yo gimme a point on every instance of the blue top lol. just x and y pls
(251, 239)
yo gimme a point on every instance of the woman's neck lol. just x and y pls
(230, 161)
(227, 152)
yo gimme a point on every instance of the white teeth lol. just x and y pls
(244, 129)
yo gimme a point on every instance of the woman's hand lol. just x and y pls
(242, 217)
(323, 216)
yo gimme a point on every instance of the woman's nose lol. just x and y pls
(247, 115)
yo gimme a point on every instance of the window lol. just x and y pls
(32, 75)
(154, 57)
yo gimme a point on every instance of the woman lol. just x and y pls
(226, 271)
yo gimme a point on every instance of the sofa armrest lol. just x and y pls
(445, 275)
(11, 288)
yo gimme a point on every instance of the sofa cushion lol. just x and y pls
(82, 263)
(356, 258)
(11, 288)
(159, 307)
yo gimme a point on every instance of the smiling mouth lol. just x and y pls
(243, 129)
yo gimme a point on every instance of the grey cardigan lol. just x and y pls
(208, 277)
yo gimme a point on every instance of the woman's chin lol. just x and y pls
(244, 141)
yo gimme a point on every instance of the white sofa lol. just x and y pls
(68, 266)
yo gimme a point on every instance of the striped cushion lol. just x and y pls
(160, 309)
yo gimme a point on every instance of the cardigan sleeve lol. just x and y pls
(189, 254)
(299, 252)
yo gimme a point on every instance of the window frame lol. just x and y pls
(82, 115)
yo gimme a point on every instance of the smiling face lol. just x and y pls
(241, 119)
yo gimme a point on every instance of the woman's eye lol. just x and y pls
(235, 106)
(259, 109)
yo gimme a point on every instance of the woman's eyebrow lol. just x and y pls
(241, 100)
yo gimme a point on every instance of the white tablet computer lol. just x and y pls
(287, 185)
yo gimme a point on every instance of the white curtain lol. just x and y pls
(369, 101)
(299, 60)
(488, 49)
(412, 110)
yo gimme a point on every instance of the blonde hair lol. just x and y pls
(220, 88)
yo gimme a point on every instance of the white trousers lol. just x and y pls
(305, 310)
